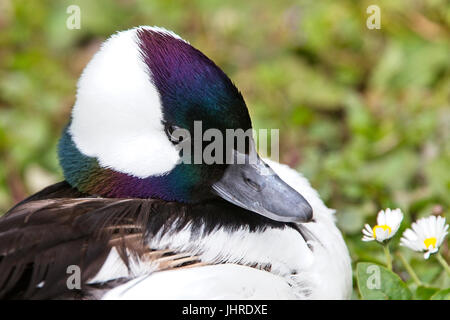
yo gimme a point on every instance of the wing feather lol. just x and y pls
(59, 227)
(41, 237)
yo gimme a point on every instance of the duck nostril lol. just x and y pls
(252, 184)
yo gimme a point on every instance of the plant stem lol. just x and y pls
(443, 263)
(409, 269)
(388, 256)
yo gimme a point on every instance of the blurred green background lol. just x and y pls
(364, 114)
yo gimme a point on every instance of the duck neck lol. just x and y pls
(85, 174)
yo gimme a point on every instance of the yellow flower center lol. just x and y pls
(384, 227)
(430, 242)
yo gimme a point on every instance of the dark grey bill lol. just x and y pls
(256, 187)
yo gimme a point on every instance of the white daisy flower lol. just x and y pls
(427, 235)
(388, 222)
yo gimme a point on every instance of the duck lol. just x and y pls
(133, 219)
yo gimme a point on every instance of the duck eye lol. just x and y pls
(172, 133)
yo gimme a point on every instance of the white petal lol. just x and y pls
(432, 227)
(416, 227)
(381, 218)
(409, 239)
(396, 218)
(389, 217)
(367, 233)
(442, 231)
(410, 235)
(442, 236)
(438, 226)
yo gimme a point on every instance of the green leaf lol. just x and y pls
(378, 283)
(425, 293)
(441, 295)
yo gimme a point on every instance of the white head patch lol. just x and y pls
(117, 116)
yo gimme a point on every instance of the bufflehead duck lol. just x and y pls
(136, 222)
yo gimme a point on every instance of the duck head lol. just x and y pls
(142, 86)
